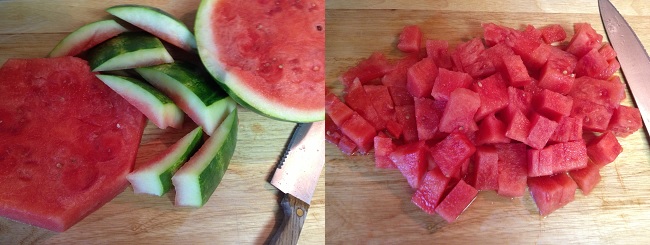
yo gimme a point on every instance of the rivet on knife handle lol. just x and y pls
(295, 213)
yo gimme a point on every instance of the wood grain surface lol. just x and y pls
(244, 209)
(369, 205)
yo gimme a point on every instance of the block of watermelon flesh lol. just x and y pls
(381, 100)
(400, 95)
(556, 80)
(450, 153)
(569, 188)
(604, 149)
(541, 130)
(338, 111)
(584, 39)
(412, 160)
(608, 52)
(374, 67)
(347, 146)
(496, 54)
(561, 60)
(513, 169)
(594, 117)
(431, 190)
(553, 33)
(459, 112)
(485, 173)
(515, 71)
(406, 118)
(533, 53)
(357, 99)
(455, 203)
(518, 127)
(602, 92)
(360, 131)
(384, 146)
(518, 100)
(468, 52)
(493, 94)
(494, 34)
(586, 178)
(536, 167)
(532, 33)
(447, 81)
(427, 117)
(594, 65)
(552, 105)
(410, 39)
(625, 121)
(546, 193)
(397, 76)
(420, 77)
(332, 132)
(565, 157)
(89, 140)
(482, 68)
(438, 50)
(568, 129)
(612, 67)
(491, 130)
(394, 129)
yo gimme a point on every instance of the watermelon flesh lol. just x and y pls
(87, 145)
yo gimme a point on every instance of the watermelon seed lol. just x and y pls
(315, 68)
(280, 66)
(118, 125)
(480, 84)
(319, 28)
(58, 165)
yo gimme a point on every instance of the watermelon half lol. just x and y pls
(269, 56)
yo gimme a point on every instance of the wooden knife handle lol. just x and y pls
(295, 213)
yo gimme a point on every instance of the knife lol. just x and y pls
(297, 175)
(633, 58)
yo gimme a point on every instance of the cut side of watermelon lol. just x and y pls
(277, 70)
(199, 177)
(128, 50)
(86, 37)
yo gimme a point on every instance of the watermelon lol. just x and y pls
(450, 153)
(586, 178)
(455, 203)
(420, 77)
(86, 37)
(553, 33)
(459, 112)
(410, 39)
(277, 65)
(447, 81)
(412, 160)
(438, 50)
(128, 50)
(486, 169)
(604, 149)
(431, 190)
(512, 169)
(625, 121)
(87, 141)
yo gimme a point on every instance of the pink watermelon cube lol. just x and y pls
(607, 51)
(394, 129)
(541, 130)
(552, 105)
(460, 197)
(569, 188)
(491, 130)
(493, 94)
(357, 99)
(495, 34)
(384, 146)
(515, 71)
(438, 50)
(374, 67)
(400, 96)
(602, 92)
(486, 169)
(411, 160)
(431, 191)
(360, 132)
(568, 129)
(496, 55)
(382, 101)
(584, 39)
(513, 169)
(604, 149)
(427, 117)
(546, 192)
(556, 80)
(420, 77)
(397, 76)
(625, 121)
(586, 177)
(594, 117)
(553, 33)
(518, 100)
(410, 39)
(447, 81)
(459, 112)
(347, 146)
(593, 64)
(565, 156)
(332, 132)
(518, 128)
(337, 110)
(539, 167)
(450, 153)
(406, 117)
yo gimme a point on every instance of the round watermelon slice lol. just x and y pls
(67, 141)
(268, 55)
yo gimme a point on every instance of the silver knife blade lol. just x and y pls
(298, 171)
(632, 56)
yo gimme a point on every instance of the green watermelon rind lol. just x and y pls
(85, 33)
(128, 50)
(159, 108)
(155, 177)
(157, 22)
(192, 90)
(197, 180)
(245, 96)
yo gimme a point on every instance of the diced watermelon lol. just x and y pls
(594, 65)
(406, 117)
(450, 153)
(584, 40)
(427, 117)
(533, 53)
(438, 51)
(357, 99)
(564, 156)
(551, 192)
(513, 170)
(420, 77)
(384, 146)
(456, 201)
(518, 127)
(552, 105)
(518, 101)
(400, 96)
(459, 112)
(604, 149)
(332, 132)
(337, 110)
(602, 92)
(532, 33)
(468, 52)
(360, 132)
(594, 117)
(410, 39)
(491, 131)
(431, 191)
(625, 121)
(493, 94)
(397, 76)
(494, 34)
(486, 169)
(496, 55)
(515, 71)
(556, 80)
(607, 51)
(394, 129)
(411, 160)
(586, 177)
(536, 167)
(562, 61)
(568, 129)
(347, 146)
(382, 101)
(553, 33)
(374, 67)
(541, 130)
(447, 81)
(569, 188)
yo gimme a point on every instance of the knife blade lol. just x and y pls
(297, 175)
(631, 54)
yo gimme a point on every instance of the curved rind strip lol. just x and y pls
(128, 50)
(87, 37)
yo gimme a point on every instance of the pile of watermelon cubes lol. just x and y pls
(514, 110)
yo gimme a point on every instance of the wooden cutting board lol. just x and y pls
(369, 205)
(243, 210)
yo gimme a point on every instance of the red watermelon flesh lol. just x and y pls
(541, 130)
(494, 34)
(337, 110)
(568, 129)
(427, 117)
(347, 146)
(400, 95)
(518, 128)
(374, 67)
(420, 77)
(584, 40)
(459, 112)
(447, 81)
(485, 174)
(602, 92)
(382, 101)
(491, 130)
(546, 193)
(565, 156)
(515, 71)
(552, 105)
(586, 177)
(450, 153)
(604, 149)
(625, 121)
(513, 170)
(397, 76)
(455, 203)
(431, 190)
(438, 50)
(360, 132)
(493, 94)
(607, 51)
(357, 99)
(332, 132)
(553, 33)
(384, 146)
(410, 39)
(593, 64)
(412, 160)
(594, 117)
(406, 117)
(69, 145)
(568, 188)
